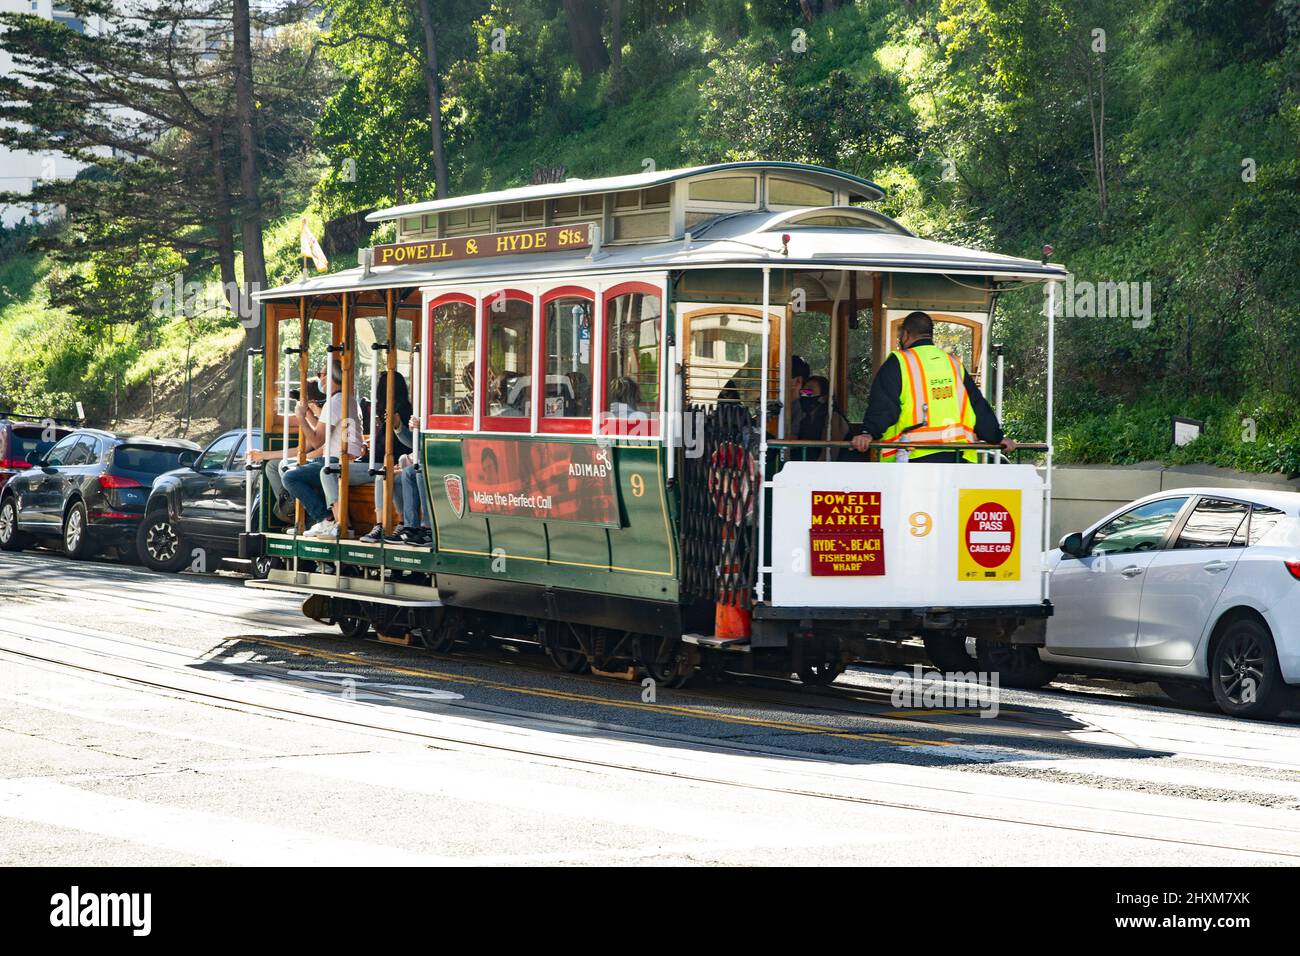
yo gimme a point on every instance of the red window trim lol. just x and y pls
(561, 426)
(623, 288)
(500, 423)
(446, 422)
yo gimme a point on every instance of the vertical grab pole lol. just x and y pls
(390, 364)
(762, 436)
(374, 396)
(1051, 384)
(347, 360)
(997, 388)
(248, 448)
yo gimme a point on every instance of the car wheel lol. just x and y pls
(947, 651)
(76, 532)
(159, 543)
(11, 539)
(262, 567)
(1017, 665)
(1244, 673)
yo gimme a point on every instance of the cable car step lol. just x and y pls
(738, 644)
(362, 596)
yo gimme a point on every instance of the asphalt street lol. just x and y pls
(153, 719)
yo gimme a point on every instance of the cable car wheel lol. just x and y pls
(441, 628)
(821, 662)
(668, 662)
(352, 626)
(567, 645)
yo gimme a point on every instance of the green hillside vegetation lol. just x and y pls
(980, 119)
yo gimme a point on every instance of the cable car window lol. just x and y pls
(632, 355)
(451, 361)
(787, 192)
(510, 356)
(568, 357)
(741, 189)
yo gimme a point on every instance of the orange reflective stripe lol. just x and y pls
(958, 374)
(920, 395)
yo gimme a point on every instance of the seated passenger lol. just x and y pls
(818, 420)
(308, 483)
(387, 425)
(414, 528)
(285, 458)
(624, 397)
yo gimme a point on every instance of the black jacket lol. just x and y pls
(884, 405)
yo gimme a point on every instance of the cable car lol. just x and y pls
(601, 376)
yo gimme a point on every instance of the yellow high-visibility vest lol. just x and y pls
(935, 407)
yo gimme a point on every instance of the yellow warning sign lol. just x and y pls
(988, 541)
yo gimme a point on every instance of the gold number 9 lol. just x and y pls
(638, 486)
(921, 523)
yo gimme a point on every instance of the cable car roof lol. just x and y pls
(859, 189)
(739, 240)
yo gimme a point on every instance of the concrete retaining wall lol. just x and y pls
(1083, 493)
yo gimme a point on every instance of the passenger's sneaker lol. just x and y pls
(374, 536)
(397, 535)
(426, 536)
(325, 528)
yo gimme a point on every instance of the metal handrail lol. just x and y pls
(910, 446)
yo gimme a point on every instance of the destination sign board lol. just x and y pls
(520, 241)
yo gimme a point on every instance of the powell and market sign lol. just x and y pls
(548, 239)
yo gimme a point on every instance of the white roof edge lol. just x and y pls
(413, 276)
(583, 187)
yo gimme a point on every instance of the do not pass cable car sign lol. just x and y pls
(988, 539)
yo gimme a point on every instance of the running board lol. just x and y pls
(338, 593)
(737, 644)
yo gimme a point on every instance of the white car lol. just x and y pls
(1195, 588)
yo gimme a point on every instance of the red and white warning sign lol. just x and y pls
(988, 546)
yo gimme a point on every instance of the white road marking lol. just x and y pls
(196, 833)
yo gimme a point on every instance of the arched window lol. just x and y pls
(507, 394)
(568, 337)
(630, 392)
(451, 341)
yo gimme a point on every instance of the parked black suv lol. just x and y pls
(200, 506)
(88, 491)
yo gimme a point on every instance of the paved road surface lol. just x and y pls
(151, 719)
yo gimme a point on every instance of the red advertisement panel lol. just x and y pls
(551, 480)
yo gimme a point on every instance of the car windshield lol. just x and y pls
(149, 459)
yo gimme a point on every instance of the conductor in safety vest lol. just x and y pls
(923, 395)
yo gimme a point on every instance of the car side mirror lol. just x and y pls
(1072, 544)
(34, 457)
(187, 458)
